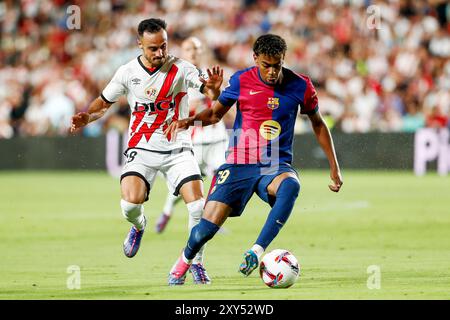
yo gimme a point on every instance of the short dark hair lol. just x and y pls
(151, 25)
(270, 45)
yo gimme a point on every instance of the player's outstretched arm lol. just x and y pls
(206, 117)
(323, 135)
(213, 83)
(96, 110)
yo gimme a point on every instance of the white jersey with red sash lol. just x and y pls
(156, 97)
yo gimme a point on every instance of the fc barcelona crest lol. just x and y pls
(272, 103)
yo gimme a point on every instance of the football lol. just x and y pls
(279, 269)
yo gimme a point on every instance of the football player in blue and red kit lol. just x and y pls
(268, 98)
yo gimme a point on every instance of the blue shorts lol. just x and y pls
(234, 184)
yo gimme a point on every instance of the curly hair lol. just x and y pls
(151, 25)
(270, 45)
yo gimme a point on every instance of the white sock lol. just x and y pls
(258, 250)
(195, 209)
(134, 213)
(170, 202)
(186, 260)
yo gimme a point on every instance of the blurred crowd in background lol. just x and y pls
(377, 65)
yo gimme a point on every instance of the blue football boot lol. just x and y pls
(199, 274)
(133, 240)
(249, 264)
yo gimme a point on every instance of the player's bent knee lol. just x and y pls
(289, 186)
(216, 212)
(192, 191)
(133, 197)
(134, 189)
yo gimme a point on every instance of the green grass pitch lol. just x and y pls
(394, 221)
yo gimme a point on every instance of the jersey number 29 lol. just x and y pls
(222, 176)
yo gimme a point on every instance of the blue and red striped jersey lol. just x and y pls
(263, 131)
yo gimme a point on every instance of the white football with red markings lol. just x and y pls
(279, 269)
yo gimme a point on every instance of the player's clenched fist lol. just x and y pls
(79, 120)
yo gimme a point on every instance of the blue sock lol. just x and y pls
(286, 195)
(200, 234)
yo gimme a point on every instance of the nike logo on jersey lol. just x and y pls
(279, 222)
(254, 92)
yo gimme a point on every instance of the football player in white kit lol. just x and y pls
(210, 143)
(155, 84)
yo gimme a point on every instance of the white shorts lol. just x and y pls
(210, 156)
(178, 167)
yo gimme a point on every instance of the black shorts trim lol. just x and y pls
(187, 179)
(137, 174)
(104, 99)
